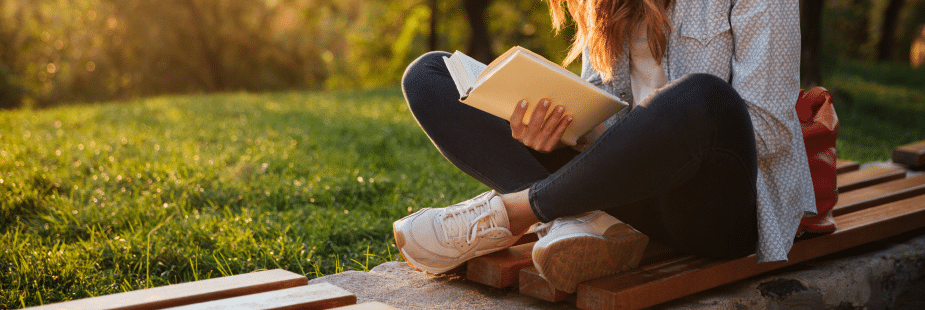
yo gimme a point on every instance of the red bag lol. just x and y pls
(820, 128)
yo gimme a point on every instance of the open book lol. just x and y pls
(521, 74)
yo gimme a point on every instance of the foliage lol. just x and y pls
(851, 28)
(105, 49)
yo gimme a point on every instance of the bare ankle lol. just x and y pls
(519, 213)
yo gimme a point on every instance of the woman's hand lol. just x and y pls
(540, 135)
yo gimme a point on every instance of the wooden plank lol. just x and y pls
(367, 306)
(189, 292)
(533, 284)
(879, 194)
(527, 238)
(652, 285)
(843, 165)
(912, 154)
(862, 178)
(500, 269)
(315, 296)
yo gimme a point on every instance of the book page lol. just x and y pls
(459, 78)
(471, 66)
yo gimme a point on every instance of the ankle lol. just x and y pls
(520, 215)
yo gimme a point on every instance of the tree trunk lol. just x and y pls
(888, 30)
(434, 13)
(479, 40)
(811, 37)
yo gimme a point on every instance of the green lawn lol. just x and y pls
(99, 199)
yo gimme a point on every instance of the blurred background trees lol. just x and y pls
(54, 51)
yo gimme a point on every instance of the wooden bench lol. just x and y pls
(271, 289)
(911, 155)
(874, 203)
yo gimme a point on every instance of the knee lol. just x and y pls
(427, 64)
(713, 95)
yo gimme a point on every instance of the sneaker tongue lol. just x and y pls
(496, 205)
(499, 216)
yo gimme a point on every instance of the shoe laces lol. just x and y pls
(464, 219)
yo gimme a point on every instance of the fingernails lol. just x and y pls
(560, 108)
(545, 103)
(569, 118)
(523, 103)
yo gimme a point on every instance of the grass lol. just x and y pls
(879, 107)
(99, 199)
(105, 198)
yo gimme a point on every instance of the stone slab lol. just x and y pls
(888, 274)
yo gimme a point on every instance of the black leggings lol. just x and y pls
(682, 169)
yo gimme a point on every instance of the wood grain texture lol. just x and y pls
(188, 293)
(500, 269)
(866, 177)
(879, 194)
(912, 154)
(651, 285)
(534, 285)
(843, 165)
(315, 296)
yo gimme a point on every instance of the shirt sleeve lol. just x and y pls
(766, 68)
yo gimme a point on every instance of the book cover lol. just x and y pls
(521, 74)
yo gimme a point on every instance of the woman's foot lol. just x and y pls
(438, 240)
(575, 249)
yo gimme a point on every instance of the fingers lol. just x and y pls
(553, 140)
(542, 134)
(552, 122)
(536, 120)
(517, 119)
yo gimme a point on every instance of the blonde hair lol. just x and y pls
(604, 25)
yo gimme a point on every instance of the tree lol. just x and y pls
(479, 39)
(888, 30)
(811, 37)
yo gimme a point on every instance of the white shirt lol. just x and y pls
(646, 75)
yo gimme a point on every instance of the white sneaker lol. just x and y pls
(574, 249)
(438, 240)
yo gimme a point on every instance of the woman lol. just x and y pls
(709, 160)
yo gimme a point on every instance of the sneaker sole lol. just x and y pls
(581, 257)
(400, 243)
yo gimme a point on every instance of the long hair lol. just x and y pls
(604, 25)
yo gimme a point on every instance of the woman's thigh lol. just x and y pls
(712, 214)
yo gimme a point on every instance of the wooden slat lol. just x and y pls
(188, 293)
(879, 194)
(367, 306)
(861, 178)
(315, 296)
(527, 238)
(652, 285)
(912, 154)
(843, 165)
(499, 269)
(533, 284)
